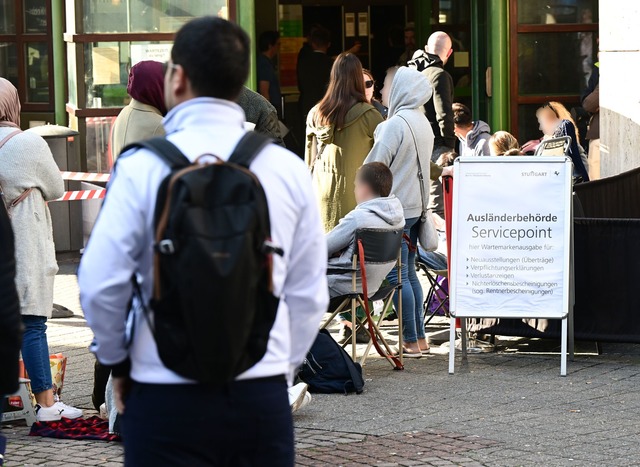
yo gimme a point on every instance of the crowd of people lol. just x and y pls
(363, 168)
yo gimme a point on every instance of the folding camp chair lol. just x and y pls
(375, 248)
(436, 291)
(554, 146)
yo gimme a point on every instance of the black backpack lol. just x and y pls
(329, 369)
(212, 299)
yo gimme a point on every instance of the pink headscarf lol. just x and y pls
(9, 104)
(146, 84)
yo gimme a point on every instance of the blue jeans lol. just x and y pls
(412, 296)
(35, 353)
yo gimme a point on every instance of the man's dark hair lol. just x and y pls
(214, 54)
(377, 176)
(320, 37)
(461, 115)
(267, 39)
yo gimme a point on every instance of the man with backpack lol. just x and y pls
(214, 243)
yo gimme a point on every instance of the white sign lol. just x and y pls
(511, 235)
(156, 52)
(511, 239)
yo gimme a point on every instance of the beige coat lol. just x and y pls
(136, 122)
(26, 162)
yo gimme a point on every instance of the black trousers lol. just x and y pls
(244, 423)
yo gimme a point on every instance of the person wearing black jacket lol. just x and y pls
(10, 319)
(439, 109)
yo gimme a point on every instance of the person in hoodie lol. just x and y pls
(339, 136)
(473, 136)
(400, 142)
(377, 209)
(439, 110)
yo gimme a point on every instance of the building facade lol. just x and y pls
(70, 59)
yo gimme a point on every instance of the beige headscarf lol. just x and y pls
(9, 104)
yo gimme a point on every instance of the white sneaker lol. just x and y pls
(297, 396)
(306, 400)
(66, 411)
(48, 414)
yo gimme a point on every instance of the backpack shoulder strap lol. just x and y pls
(248, 148)
(164, 149)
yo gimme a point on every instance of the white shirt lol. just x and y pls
(122, 245)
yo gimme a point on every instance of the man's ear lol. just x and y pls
(179, 81)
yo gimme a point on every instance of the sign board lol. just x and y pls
(511, 238)
(156, 52)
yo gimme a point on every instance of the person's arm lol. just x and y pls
(435, 171)
(263, 88)
(385, 145)
(268, 123)
(591, 103)
(108, 264)
(48, 178)
(341, 235)
(566, 128)
(305, 289)
(10, 318)
(443, 105)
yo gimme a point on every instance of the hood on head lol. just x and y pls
(479, 128)
(422, 60)
(388, 209)
(410, 90)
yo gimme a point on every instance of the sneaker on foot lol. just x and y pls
(305, 401)
(67, 411)
(297, 395)
(48, 414)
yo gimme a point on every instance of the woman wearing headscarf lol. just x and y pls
(29, 178)
(339, 136)
(142, 118)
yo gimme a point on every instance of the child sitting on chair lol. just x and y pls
(377, 209)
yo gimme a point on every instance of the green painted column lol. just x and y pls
(476, 72)
(422, 21)
(59, 62)
(246, 17)
(499, 45)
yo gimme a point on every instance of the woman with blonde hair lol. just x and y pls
(339, 137)
(555, 121)
(503, 143)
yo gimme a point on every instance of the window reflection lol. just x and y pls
(146, 15)
(7, 17)
(557, 11)
(9, 62)
(554, 63)
(107, 66)
(37, 60)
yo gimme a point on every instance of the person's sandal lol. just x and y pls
(406, 353)
(426, 351)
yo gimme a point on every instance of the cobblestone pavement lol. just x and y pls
(499, 409)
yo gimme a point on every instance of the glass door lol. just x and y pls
(553, 52)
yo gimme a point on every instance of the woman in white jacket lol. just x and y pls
(401, 142)
(29, 178)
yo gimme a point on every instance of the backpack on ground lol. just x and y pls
(213, 306)
(329, 369)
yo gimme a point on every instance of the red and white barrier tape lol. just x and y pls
(85, 177)
(82, 195)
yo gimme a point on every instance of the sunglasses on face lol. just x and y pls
(368, 83)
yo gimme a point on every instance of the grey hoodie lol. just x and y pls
(394, 145)
(378, 213)
(477, 143)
